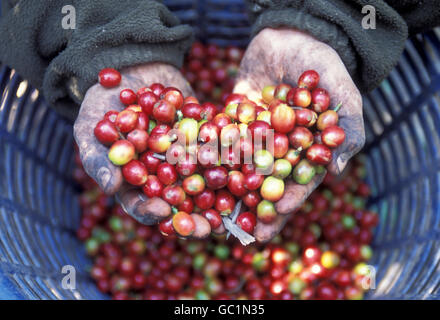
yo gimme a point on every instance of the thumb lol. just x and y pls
(95, 160)
(145, 210)
(353, 126)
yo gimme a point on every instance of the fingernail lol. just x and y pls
(142, 197)
(104, 177)
(122, 204)
(341, 163)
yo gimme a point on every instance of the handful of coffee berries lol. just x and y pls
(210, 164)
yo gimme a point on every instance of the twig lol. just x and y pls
(234, 216)
(230, 225)
(244, 237)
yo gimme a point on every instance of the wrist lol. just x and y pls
(288, 52)
(157, 72)
(293, 39)
(326, 31)
(147, 71)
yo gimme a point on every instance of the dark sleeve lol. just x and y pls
(369, 55)
(6, 5)
(64, 63)
(419, 15)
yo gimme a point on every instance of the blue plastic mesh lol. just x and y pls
(39, 210)
(403, 145)
(38, 205)
(215, 21)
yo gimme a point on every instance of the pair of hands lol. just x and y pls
(273, 56)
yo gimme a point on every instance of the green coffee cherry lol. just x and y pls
(101, 235)
(151, 125)
(199, 261)
(259, 262)
(304, 172)
(277, 239)
(296, 266)
(92, 246)
(293, 248)
(263, 160)
(316, 229)
(116, 224)
(348, 222)
(358, 203)
(327, 194)
(281, 169)
(221, 251)
(201, 295)
(296, 286)
(366, 252)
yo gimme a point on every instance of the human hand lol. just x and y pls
(280, 56)
(97, 102)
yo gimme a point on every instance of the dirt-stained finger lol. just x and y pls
(165, 74)
(219, 230)
(203, 228)
(97, 102)
(145, 210)
(95, 159)
(265, 232)
(353, 126)
(295, 194)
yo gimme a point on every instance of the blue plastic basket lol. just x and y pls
(39, 211)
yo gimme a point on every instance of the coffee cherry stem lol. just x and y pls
(336, 109)
(320, 169)
(121, 135)
(244, 237)
(204, 115)
(298, 151)
(174, 210)
(159, 156)
(230, 225)
(234, 216)
(179, 115)
(173, 138)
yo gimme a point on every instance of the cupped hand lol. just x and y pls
(280, 56)
(98, 100)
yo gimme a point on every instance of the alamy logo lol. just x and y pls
(369, 278)
(69, 20)
(69, 280)
(369, 21)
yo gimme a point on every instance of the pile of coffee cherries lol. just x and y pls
(320, 254)
(203, 161)
(211, 70)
